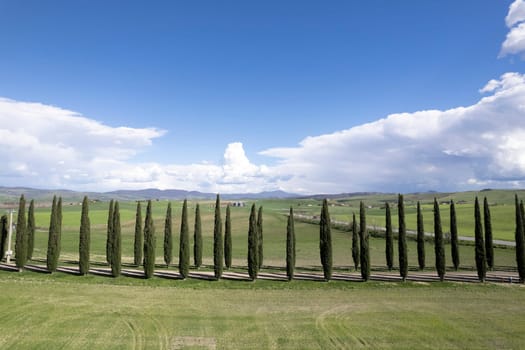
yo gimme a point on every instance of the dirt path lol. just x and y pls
(411, 233)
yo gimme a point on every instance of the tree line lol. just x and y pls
(145, 239)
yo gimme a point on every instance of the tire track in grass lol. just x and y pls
(337, 334)
(137, 334)
(260, 319)
(163, 335)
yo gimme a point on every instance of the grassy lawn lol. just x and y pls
(41, 311)
(274, 237)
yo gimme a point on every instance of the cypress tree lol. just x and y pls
(184, 246)
(290, 246)
(355, 243)
(260, 237)
(252, 245)
(228, 239)
(138, 245)
(84, 240)
(21, 235)
(4, 232)
(59, 227)
(168, 236)
(363, 238)
(325, 241)
(116, 255)
(109, 233)
(454, 244)
(149, 243)
(522, 213)
(439, 245)
(389, 239)
(31, 230)
(520, 240)
(218, 253)
(489, 248)
(52, 242)
(481, 266)
(59, 218)
(420, 238)
(402, 238)
(197, 238)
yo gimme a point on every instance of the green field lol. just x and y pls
(62, 310)
(274, 235)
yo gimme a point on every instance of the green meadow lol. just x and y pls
(62, 310)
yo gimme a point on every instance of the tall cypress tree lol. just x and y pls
(85, 238)
(402, 239)
(138, 244)
(218, 252)
(325, 241)
(109, 233)
(260, 237)
(252, 245)
(197, 238)
(149, 243)
(363, 238)
(184, 246)
(21, 235)
(228, 239)
(290, 246)
(439, 245)
(420, 238)
(355, 243)
(480, 245)
(454, 244)
(31, 230)
(52, 241)
(59, 227)
(4, 232)
(168, 236)
(389, 239)
(116, 254)
(489, 248)
(520, 240)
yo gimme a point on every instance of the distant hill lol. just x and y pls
(10, 195)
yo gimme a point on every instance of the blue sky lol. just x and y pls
(229, 91)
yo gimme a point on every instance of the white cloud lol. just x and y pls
(516, 13)
(50, 147)
(482, 145)
(445, 150)
(515, 41)
(44, 145)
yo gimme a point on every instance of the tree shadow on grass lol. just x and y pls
(37, 268)
(6, 267)
(172, 275)
(69, 270)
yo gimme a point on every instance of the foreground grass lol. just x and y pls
(43, 311)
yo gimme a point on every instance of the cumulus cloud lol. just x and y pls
(50, 147)
(44, 145)
(515, 41)
(482, 145)
(465, 147)
(516, 13)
